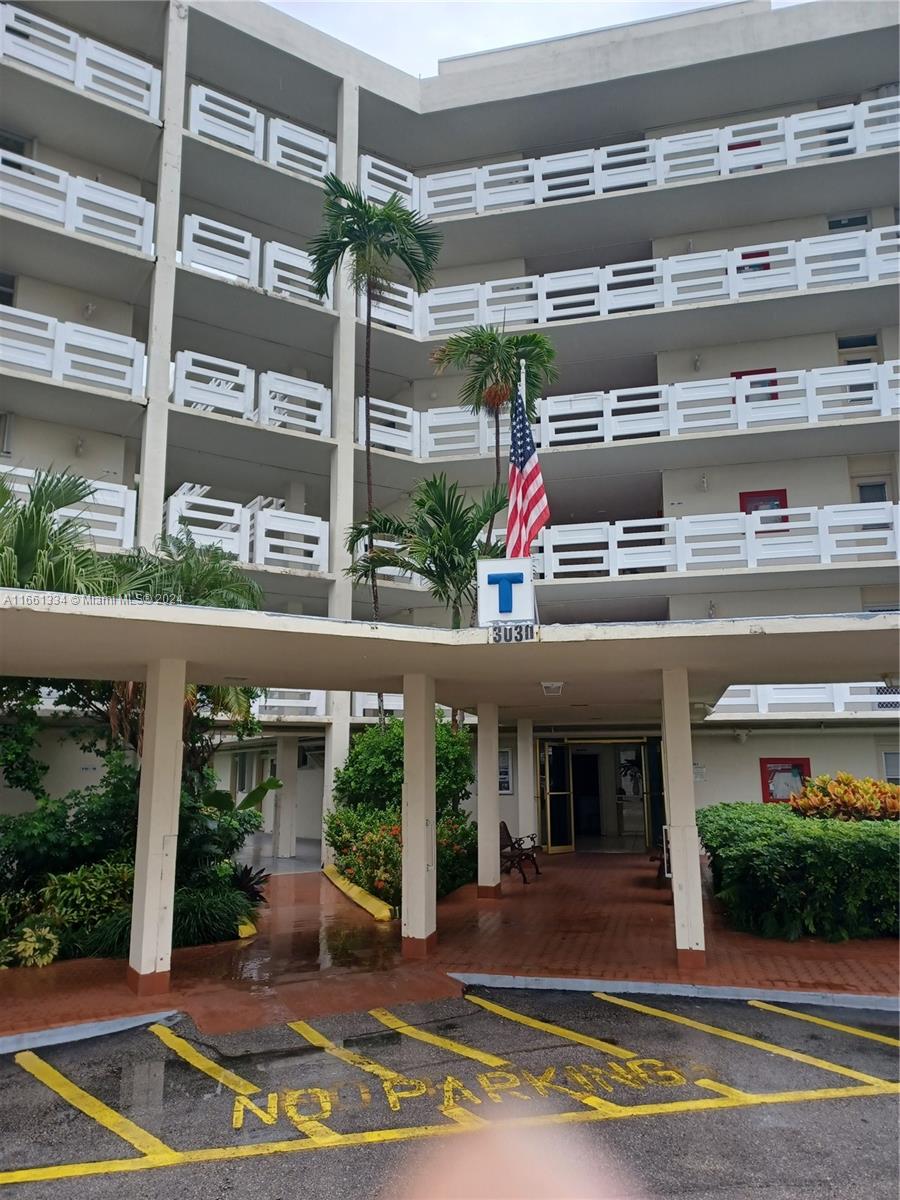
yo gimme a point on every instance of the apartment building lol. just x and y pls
(700, 210)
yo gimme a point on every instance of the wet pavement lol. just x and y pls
(570, 1094)
(588, 916)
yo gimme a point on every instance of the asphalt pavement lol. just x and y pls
(548, 1095)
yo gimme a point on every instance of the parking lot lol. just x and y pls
(645, 1096)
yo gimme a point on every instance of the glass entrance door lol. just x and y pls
(555, 782)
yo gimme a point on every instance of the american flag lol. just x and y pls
(529, 511)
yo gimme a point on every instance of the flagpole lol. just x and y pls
(522, 383)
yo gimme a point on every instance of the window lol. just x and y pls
(781, 777)
(892, 766)
(7, 289)
(5, 431)
(848, 221)
(872, 492)
(504, 768)
(14, 143)
(857, 348)
(241, 780)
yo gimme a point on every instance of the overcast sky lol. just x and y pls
(414, 34)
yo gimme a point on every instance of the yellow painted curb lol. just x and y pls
(377, 908)
(246, 929)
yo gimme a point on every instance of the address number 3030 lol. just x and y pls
(512, 631)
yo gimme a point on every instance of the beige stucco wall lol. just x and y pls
(69, 304)
(792, 229)
(726, 769)
(766, 604)
(808, 482)
(63, 161)
(718, 362)
(70, 767)
(45, 445)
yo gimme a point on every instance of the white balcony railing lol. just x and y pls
(659, 283)
(657, 410)
(838, 533)
(272, 140)
(287, 703)
(236, 255)
(90, 66)
(217, 385)
(261, 533)
(71, 353)
(850, 129)
(75, 204)
(801, 699)
(109, 513)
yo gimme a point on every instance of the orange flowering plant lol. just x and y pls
(846, 798)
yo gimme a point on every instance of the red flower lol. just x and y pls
(379, 883)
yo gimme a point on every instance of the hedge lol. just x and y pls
(782, 875)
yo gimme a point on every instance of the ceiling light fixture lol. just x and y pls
(552, 689)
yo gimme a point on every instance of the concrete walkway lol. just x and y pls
(591, 916)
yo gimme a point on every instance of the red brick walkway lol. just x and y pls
(589, 916)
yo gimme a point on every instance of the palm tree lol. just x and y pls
(43, 546)
(440, 539)
(203, 575)
(378, 240)
(492, 359)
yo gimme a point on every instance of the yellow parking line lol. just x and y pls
(348, 1056)
(770, 1047)
(570, 1035)
(789, 1012)
(410, 1133)
(186, 1051)
(91, 1106)
(434, 1039)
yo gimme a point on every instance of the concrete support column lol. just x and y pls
(418, 915)
(343, 378)
(684, 845)
(525, 803)
(488, 803)
(149, 959)
(337, 743)
(151, 494)
(284, 827)
(343, 408)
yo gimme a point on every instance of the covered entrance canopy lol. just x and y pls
(628, 672)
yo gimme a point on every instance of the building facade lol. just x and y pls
(700, 211)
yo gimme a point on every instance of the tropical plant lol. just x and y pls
(378, 241)
(367, 845)
(45, 543)
(251, 881)
(440, 539)
(847, 798)
(179, 570)
(493, 360)
(372, 775)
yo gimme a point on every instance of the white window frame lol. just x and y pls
(884, 765)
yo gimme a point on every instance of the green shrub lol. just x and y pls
(367, 850)
(210, 914)
(372, 775)
(782, 875)
(81, 898)
(35, 946)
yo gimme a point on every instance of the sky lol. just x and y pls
(414, 34)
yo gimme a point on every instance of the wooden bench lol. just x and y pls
(514, 852)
